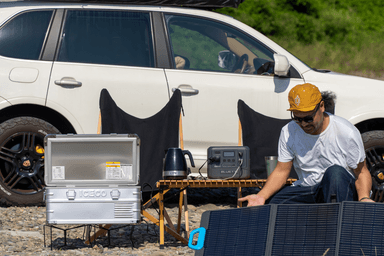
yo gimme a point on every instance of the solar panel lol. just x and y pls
(362, 229)
(228, 232)
(305, 229)
(348, 228)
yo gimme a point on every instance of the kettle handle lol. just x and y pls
(190, 157)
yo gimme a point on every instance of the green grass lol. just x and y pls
(366, 60)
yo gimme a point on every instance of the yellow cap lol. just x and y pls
(304, 97)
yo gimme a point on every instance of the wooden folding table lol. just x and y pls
(165, 185)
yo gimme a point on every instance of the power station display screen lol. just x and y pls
(229, 154)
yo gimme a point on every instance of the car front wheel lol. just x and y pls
(22, 160)
(374, 150)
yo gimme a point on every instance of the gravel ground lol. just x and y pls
(22, 230)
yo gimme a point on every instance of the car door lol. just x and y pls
(106, 49)
(215, 66)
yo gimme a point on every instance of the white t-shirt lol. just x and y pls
(339, 144)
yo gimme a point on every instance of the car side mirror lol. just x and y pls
(281, 65)
(226, 60)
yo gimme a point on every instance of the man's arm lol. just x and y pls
(363, 182)
(275, 182)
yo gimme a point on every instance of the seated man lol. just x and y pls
(326, 151)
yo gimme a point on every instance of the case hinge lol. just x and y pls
(71, 194)
(115, 194)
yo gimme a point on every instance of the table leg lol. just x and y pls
(166, 229)
(180, 212)
(161, 219)
(100, 232)
(239, 194)
(153, 200)
(186, 213)
(169, 220)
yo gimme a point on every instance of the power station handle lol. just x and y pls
(200, 239)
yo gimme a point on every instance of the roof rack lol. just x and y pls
(179, 3)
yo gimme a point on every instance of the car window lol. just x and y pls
(107, 37)
(201, 44)
(24, 35)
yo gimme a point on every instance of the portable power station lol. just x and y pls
(228, 162)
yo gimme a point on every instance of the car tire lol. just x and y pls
(22, 160)
(374, 150)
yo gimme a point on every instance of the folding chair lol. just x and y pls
(261, 134)
(157, 133)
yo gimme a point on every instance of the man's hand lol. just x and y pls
(253, 200)
(366, 200)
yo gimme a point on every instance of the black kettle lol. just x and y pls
(175, 165)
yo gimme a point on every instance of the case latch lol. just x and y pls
(115, 194)
(71, 194)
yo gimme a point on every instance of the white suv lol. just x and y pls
(55, 58)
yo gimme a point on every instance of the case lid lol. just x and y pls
(88, 160)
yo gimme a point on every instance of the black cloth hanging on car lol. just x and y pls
(261, 134)
(157, 133)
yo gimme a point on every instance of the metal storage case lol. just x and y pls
(86, 205)
(92, 179)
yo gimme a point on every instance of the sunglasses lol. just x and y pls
(307, 119)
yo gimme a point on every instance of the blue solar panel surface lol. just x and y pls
(348, 228)
(305, 229)
(362, 231)
(240, 231)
